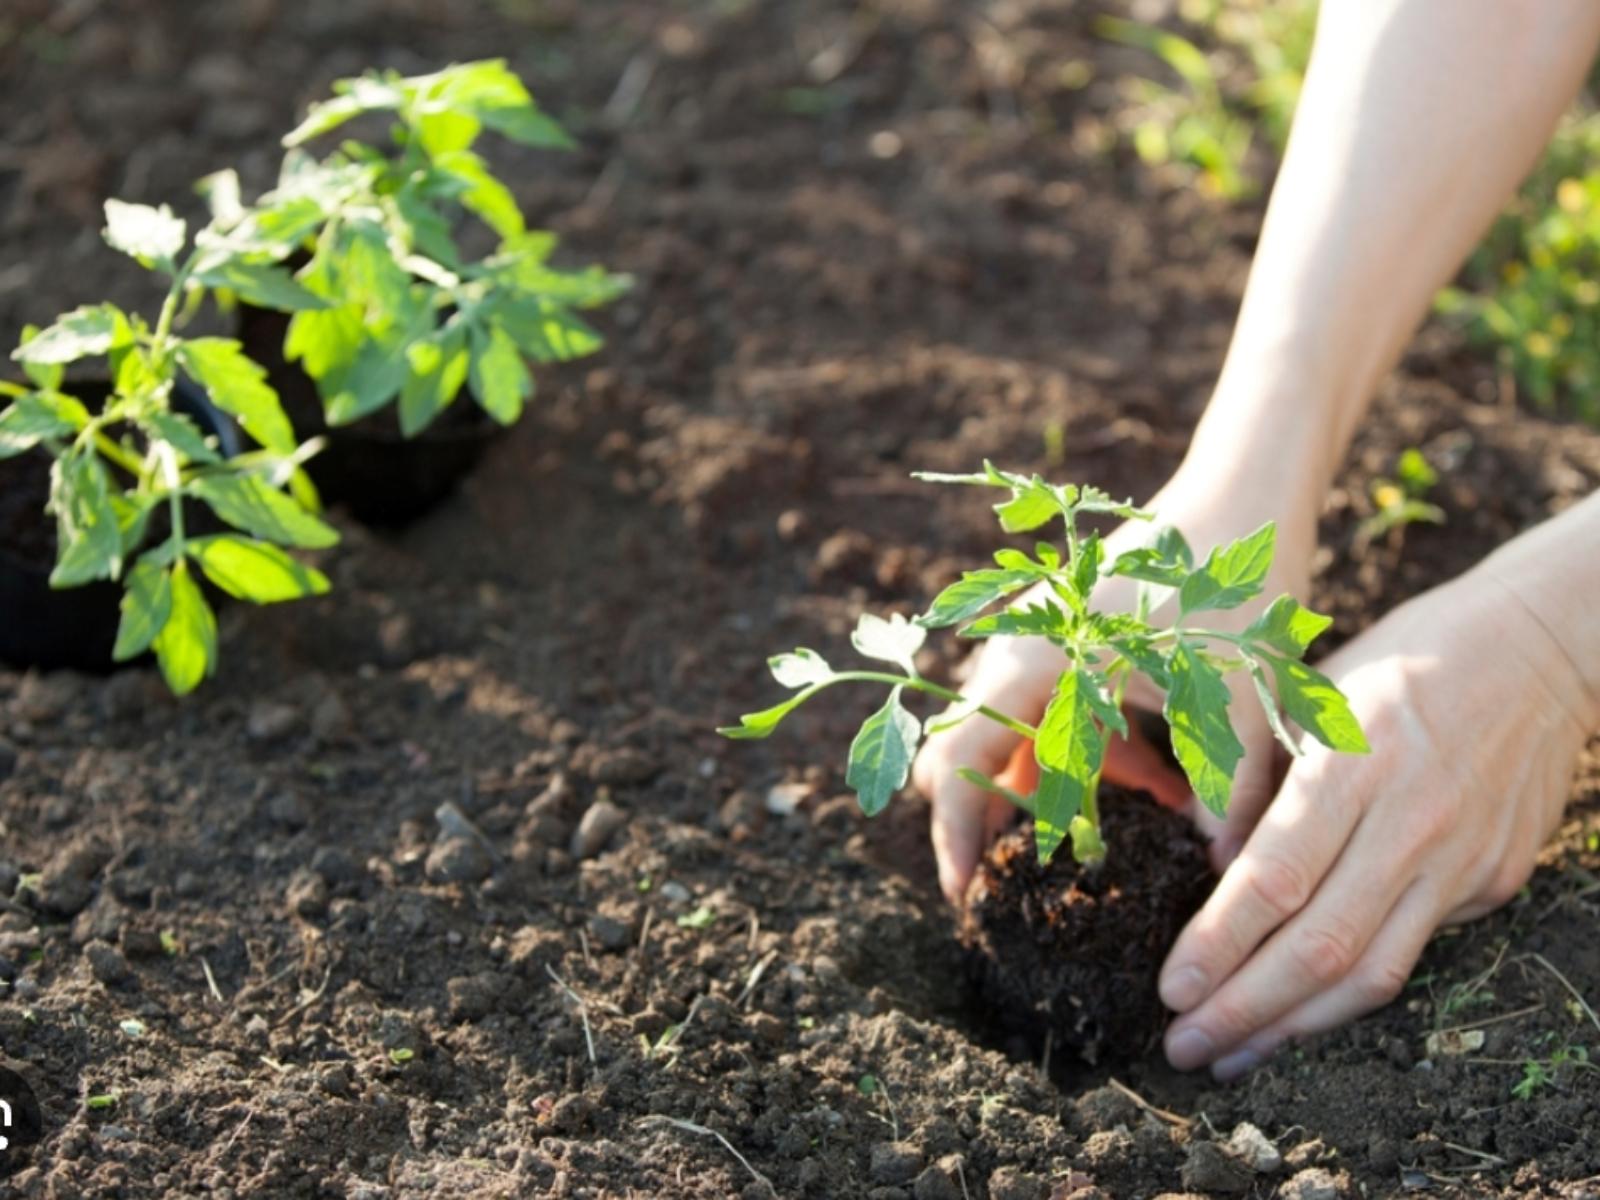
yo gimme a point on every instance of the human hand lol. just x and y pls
(1018, 675)
(1476, 719)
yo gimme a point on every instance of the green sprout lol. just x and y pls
(407, 314)
(115, 468)
(1541, 1073)
(1104, 650)
(1402, 501)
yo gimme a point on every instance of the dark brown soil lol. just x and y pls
(356, 996)
(27, 534)
(1066, 957)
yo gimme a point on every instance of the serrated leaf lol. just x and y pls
(1287, 627)
(255, 571)
(154, 236)
(1311, 701)
(83, 333)
(1029, 507)
(183, 434)
(239, 386)
(1086, 567)
(263, 285)
(371, 380)
(500, 379)
(896, 640)
(249, 503)
(146, 605)
(971, 594)
(30, 419)
(1069, 749)
(1093, 500)
(1269, 706)
(756, 725)
(483, 193)
(1202, 737)
(1032, 620)
(528, 126)
(1231, 574)
(1146, 659)
(799, 669)
(88, 535)
(323, 341)
(186, 647)
(881, 754)
(438, 368)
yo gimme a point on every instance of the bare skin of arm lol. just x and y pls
(1417, 121)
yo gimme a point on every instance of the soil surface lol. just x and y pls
(445, 887)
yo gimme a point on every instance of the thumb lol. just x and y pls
(964, 817)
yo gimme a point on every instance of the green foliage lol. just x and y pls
(403, 316)
(1530, 290)
(1245, 82)
(115, 468)
(1402, 501)
(1541, 1073)
(1104, 650)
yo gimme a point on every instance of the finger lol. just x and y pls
(1021, 772)
(1310, 954)
(963, 816)
(1376, 980)
(1133, 762)
(1298, 839)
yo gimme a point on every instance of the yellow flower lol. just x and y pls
(1572, 196)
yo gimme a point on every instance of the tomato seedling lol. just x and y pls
(408, 315)
(1104, 649)
(116, 467)
(1402, 501)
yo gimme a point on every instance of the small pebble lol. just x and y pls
(270, 721)
(1314, 1183)
(107, 963)
(1253, 1148)
(1210, 1168)
(458, 860)
(600, 821)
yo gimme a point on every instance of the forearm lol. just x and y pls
(1417, 120)
(1553, 571)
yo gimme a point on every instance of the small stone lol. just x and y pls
(334, 865)
(1011, 1183)
(473, 997)
(458, 860)
(290, 810)
(1210, 1168)
(895, 1162)
(331, 720)
(572, 1113)
(623, 765)
(599, 822)
(65, 886)
(141, 943)
(742, 810)
(271, 721)
(107, 963)
(1314, 1183)
(1106, 1108)
(307, 894)
(843, 554)
(793, 524)
(674, 892)
(610, 934)
(1305, 1154)
(397, 640)
(1254, 1148)
(336, 1080)
(9, 874)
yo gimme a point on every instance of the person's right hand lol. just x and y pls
(1018, 675)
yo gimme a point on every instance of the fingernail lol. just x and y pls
(1183, 989)
(1188, 1049)
(1236, 1065)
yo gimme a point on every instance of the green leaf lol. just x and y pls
(483, 194)
(82, 333)
(800, 669)
(186, 647)
(88, 535)
(256, 571)
(152, 235)
(1231, 574)
(377, 374)
(425, 228)
(500, 379)
(324, 340)
(1070, 749)
(896, 640)
(951, 717)
(1202, 736)
(1086, 567)
(30, 419)
(1033, 620)
(1415, 473)
(1093, 500)
(881, 754)
(239, 386)
(146, 605)
(971, 594)
(263, 285)
(1287, 627)
(249, 503)
(757, 725)
(368, 93)
(438, 367)
(1167, 562)
(1311, 701)
(183, 434)
(1029, 507)
(1144, 657)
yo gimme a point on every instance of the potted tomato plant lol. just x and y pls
(138, 485)
(411, 322)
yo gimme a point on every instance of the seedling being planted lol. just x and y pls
(1402, 501)
(408, 314)
(1186, 660)
(126, 471)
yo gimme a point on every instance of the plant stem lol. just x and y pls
(916, 683)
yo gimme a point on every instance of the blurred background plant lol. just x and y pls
(1215, 113)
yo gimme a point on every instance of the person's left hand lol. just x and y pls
(1476, 719)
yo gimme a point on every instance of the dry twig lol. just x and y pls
(703, 1131)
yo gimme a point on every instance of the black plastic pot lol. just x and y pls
(72, 628)
(379, 476)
